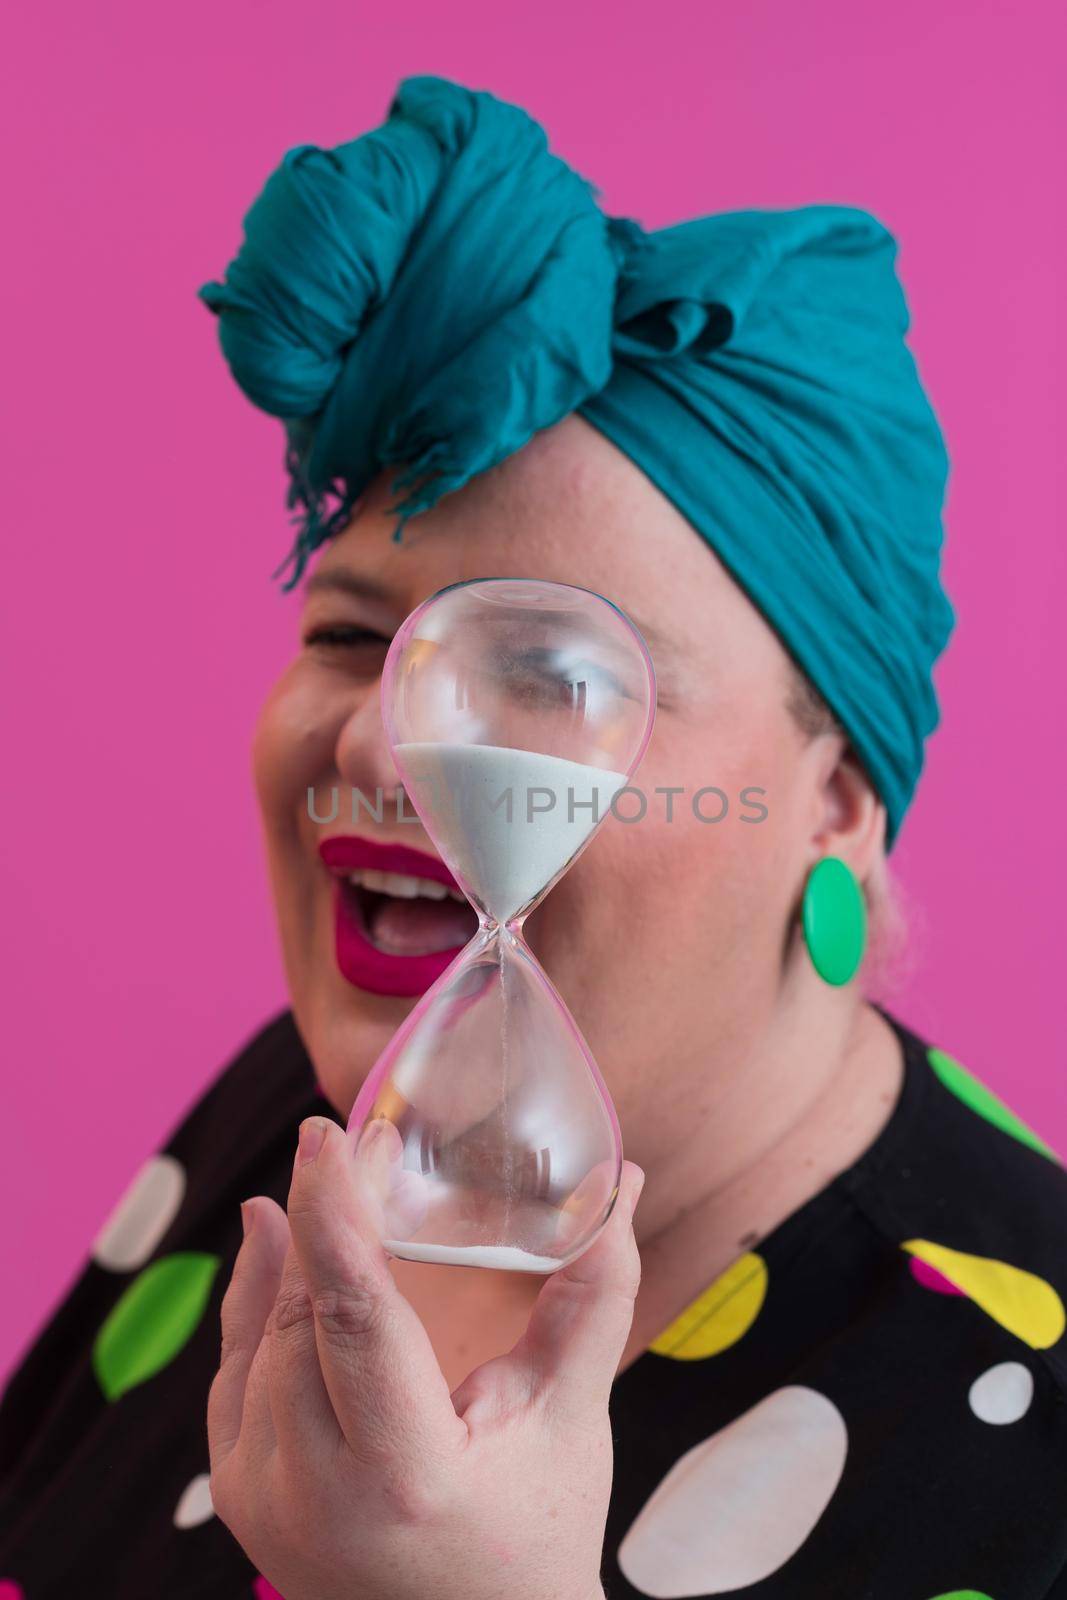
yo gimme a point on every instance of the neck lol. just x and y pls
(817, 1087)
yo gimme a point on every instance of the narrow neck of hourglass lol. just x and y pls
(493, 927)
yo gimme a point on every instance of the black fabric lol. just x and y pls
(932, 1501)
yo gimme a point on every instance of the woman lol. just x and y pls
(828, 1358)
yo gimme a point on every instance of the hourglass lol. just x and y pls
(516, 711)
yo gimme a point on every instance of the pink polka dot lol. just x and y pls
(930, 1278)
(261, 1589)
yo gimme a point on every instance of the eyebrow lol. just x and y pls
(661, 647)
(343, 581)
(652, 636)
(362, 588)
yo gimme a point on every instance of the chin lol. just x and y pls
(344, 1041)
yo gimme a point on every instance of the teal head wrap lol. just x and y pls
(433, 293)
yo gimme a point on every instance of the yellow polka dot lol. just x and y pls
(718, 1317)
(1026, 1305)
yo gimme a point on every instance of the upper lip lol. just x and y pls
(347, 853)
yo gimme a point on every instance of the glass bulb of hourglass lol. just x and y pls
(516, 709)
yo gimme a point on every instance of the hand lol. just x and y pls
(340, 1461)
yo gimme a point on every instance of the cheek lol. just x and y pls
(672, 907)
(687, 887)
(293, 746)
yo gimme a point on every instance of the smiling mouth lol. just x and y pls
(406, 916)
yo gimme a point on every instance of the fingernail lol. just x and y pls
(248, 1216)
(635, 1193)
(312, 1139)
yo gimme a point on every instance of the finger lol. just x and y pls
(401, 1198)
(272, 1234)
(582, 1317)
(246, 1306)
(303, 1418)
(388, 1392)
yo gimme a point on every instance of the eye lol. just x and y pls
(342, 636)
(560, 677)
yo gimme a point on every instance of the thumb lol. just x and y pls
(582, 1317)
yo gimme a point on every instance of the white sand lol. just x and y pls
(503, 1256)
(507, 861)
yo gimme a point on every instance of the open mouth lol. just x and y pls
(408, 916)
(400, 918)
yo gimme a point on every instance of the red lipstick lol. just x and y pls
(393, 944)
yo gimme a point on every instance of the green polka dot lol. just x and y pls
(983, 1101)
(152, 1321)
(964, 1594)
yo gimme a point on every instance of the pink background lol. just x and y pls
(144, 496)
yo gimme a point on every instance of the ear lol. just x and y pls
(850, 818)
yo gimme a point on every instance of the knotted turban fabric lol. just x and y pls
(433, 293)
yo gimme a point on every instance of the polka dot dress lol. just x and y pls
(872, 1402)
(868, 1404)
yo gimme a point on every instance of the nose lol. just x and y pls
(365, 762)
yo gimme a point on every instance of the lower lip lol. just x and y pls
(367, 967)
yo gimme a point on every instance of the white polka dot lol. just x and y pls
(195, 1505)
(142, 1216)
(1003, 1393)
(735, 1508)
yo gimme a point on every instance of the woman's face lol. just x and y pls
(667, 937)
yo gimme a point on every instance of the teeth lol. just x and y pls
(431, 888)
(401, 886)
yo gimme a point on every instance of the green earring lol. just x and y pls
(834, 918)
